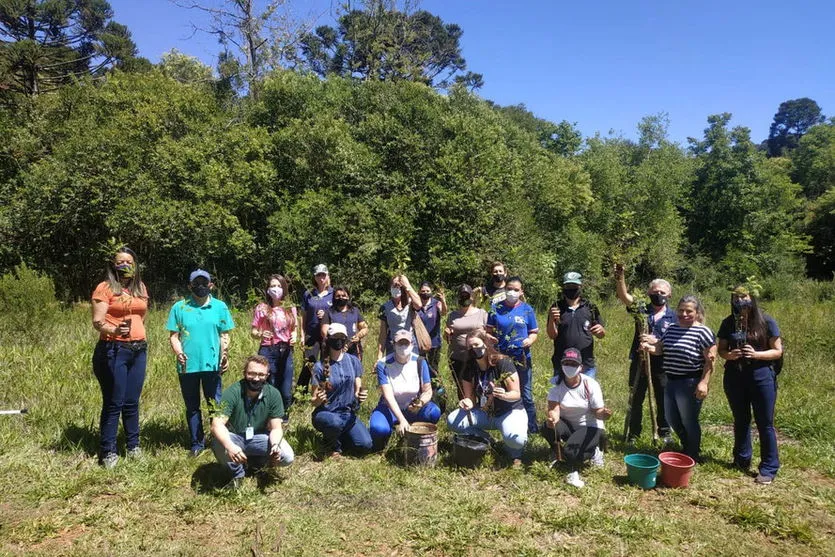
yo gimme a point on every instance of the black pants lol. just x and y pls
(580, 442)
(659, 383)
(456, 368)
(312, 354)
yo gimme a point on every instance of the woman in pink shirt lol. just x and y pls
(275, 323)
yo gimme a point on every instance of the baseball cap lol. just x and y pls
(572, 355)
(199, 273)
(572, 278)
(335, 329)
(320, 269)
(403, 334)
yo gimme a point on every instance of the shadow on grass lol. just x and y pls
(156, 433)
(209, 477)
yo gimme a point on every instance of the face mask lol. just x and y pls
(395, 292)
(125, 269)
(658, 300)
(570, 371)
(740, 305)
(512, 296)
(571, 293)
(498, 278)
(479, 352)
(336, 343)
(275, 292)
(340, 303)
(464, 300)
(425, 295)
(255, 384)
(402, 351)
(200, 290)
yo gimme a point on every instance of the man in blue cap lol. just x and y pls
(199, 335)
(574, 322)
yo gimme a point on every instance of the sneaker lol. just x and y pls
(742, 465)
(134, 453)
(109, 461)
(632, 440)
(667, 441)
(335, 455)
(597, 458)
(516, 464)
(763, 480)
(574, 479)
(194, 453)
(234, 485)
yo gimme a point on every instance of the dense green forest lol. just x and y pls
(371, 159)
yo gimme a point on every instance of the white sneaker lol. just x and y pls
(574, 479)
(597, 458)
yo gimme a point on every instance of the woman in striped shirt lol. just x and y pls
(689, 349)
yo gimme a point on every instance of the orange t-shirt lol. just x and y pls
(123, 307)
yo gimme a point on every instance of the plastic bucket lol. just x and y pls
(469, 450)
(641, 469)
(676, 469)
(421, 444)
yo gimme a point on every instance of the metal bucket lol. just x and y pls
(421, 447)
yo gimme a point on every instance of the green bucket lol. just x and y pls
(642, 469)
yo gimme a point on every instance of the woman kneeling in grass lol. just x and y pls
(689, 350)
(337, 394)
(492, 397)
(575, 417)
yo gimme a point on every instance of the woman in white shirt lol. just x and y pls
(574, 426)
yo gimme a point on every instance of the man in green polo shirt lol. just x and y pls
(198, 329)
(247, 430)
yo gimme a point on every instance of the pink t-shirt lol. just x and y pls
(275, 319)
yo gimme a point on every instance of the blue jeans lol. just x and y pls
(757, 389)
(682, 409)
(121, 373)
(190, 384)
(524, 368)
(280, 357)
(383, 419)
(342, 431)
(513, 426)
(257, 452)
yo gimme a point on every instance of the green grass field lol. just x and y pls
(57, 500)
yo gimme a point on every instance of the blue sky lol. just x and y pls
(602, 64)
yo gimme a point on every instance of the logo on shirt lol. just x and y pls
(519, 320)
(586, 325)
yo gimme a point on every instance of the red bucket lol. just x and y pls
(676, 469)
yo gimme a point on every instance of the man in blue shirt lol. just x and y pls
(513, 322)
(659, 316)
(315, 304)
(198, 329)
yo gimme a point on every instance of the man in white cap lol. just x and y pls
(315, 303)
(573, 321)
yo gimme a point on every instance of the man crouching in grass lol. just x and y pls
(247, 429)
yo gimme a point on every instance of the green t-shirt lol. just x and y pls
(200, 328)
(244, 412)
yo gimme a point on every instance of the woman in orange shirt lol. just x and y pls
(120, 303)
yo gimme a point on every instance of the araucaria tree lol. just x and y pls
(47, 43)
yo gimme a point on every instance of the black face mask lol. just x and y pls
(571, 293)
(255, 384)
(658, 300)
(740, 305)
(340, 303)
(464, 300)
(200, 290)
(336, 343)
(498, 278)
(478, 352)
(425, 296)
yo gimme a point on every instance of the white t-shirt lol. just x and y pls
(577, 405)
(405, 379)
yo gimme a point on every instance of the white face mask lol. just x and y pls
(275, 292)
(402, 351)
(512, 296)
(395, 292)
(570, 371)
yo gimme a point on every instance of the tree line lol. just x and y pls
(376, 165)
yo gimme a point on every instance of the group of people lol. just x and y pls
(489, 351)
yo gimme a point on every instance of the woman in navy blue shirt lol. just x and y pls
(430, 313)
(337, 394)
(750, 343)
